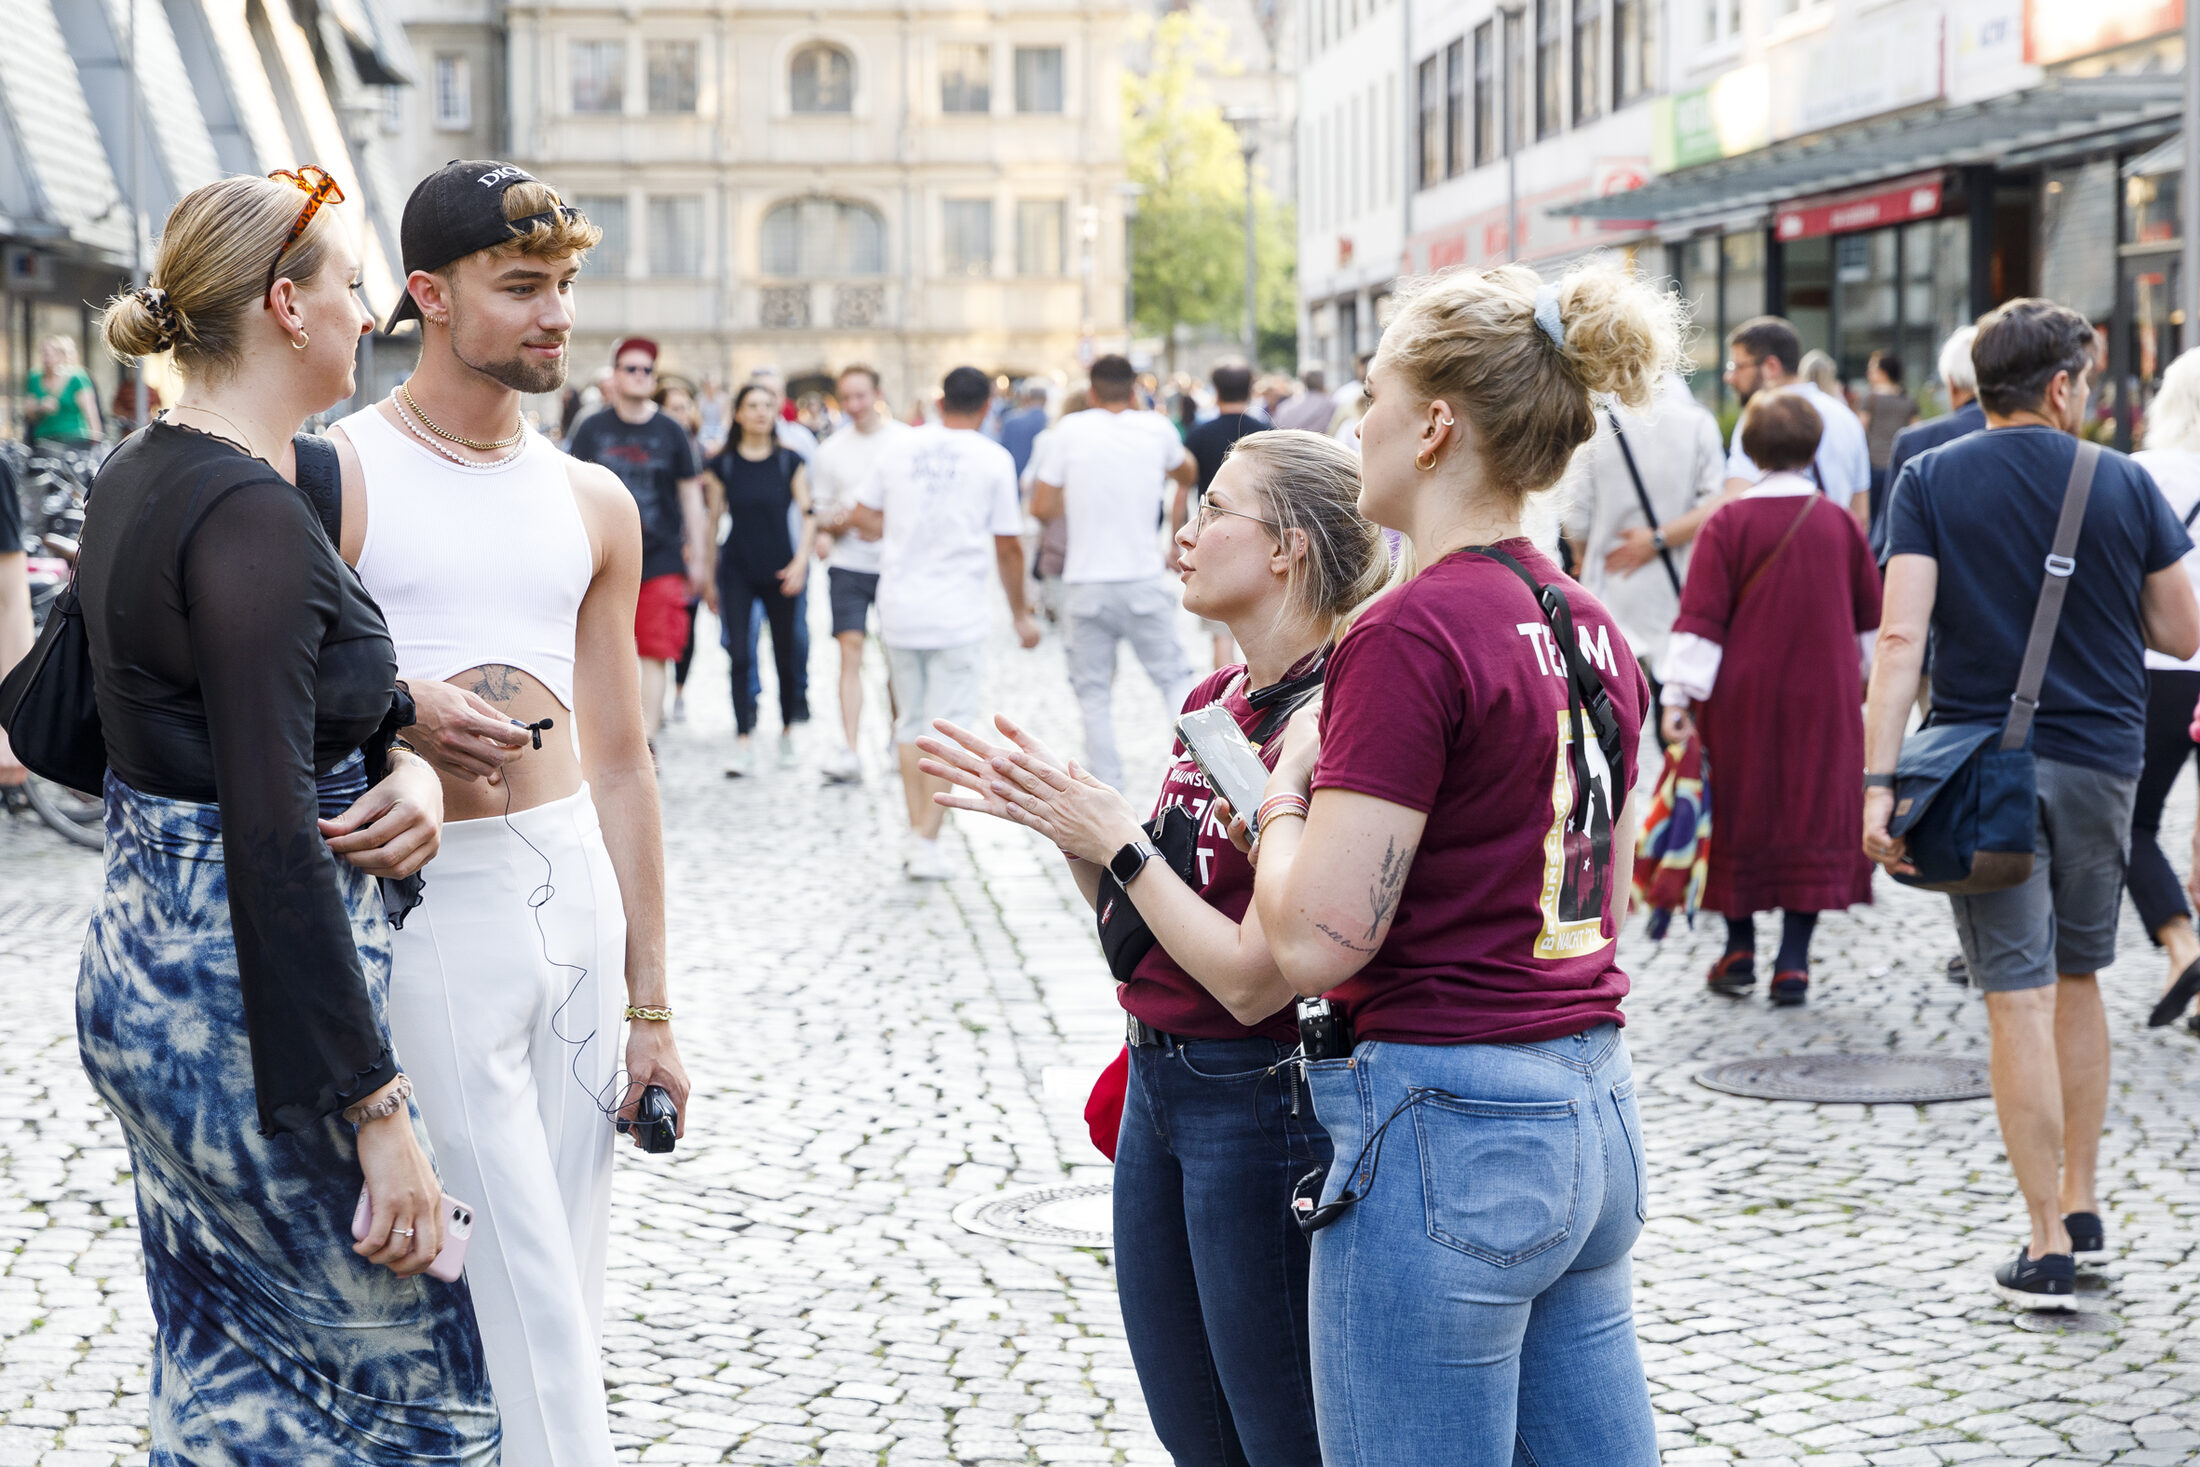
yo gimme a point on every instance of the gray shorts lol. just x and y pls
(2063, 918)
(934, 682)
(851, 593)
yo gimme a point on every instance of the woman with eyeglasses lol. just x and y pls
(231, 1003)
(1210, 1268)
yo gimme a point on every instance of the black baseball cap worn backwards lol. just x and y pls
(457, 211)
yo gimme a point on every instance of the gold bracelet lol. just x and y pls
(654, 1013)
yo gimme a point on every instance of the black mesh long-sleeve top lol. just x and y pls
(236, 658)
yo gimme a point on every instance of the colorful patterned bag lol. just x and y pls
(1671, 857)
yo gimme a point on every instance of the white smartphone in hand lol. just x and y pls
(1228, 759)
(458, 1226)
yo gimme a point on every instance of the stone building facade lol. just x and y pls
(800, 187)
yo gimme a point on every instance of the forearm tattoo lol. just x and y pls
(1382, 897)
(1382, 900)
(496, 682)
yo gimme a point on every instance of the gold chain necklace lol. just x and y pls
(478, 445)
(406, 417)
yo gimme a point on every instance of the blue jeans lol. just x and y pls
(1474, 1310)
(801, 647)
(1209, 1265)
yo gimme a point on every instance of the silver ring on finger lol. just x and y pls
(402, 1232)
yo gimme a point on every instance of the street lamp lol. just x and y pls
(1247, 121)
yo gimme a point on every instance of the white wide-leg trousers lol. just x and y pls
(510, 1036)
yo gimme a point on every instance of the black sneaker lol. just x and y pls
(2086, 1234)
(1959, 971)
(2039, 1283)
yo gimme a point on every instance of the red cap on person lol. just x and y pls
(635, 343)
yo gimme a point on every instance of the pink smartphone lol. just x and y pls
(458, 1226)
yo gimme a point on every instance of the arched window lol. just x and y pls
(823, 238)
(822, 78)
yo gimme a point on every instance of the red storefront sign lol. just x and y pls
(1916, 198)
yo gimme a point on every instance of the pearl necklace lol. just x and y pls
(478, 445)
(405, 414)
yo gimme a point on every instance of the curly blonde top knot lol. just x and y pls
(1524, 361)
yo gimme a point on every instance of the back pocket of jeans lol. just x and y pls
(1500, 1179)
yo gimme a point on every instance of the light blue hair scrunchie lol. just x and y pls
(1546, 315)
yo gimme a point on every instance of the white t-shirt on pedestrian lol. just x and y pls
(946, 493)
(1844, 457)
(1113, 471)
(841, 467)
(2176, 472)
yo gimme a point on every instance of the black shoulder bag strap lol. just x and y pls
(2061, 562)
(1642, 497)
(1584, 689)
(321, 480)
(2192, 514)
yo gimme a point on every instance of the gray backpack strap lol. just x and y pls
(2061, 562)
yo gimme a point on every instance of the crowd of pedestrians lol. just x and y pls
(1374, 905)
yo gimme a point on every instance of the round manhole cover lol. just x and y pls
(1081, 1216)
(1850, 1079)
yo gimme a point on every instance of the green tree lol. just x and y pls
(1188, 241)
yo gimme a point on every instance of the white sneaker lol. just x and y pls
(842, 766)
(786, 750)
(679, 708)
(927, 862)
(744, 760)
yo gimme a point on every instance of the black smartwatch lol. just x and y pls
(1126, 863)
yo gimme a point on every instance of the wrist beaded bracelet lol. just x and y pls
(654, 1013)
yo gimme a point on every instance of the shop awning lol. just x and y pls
(2015, 130)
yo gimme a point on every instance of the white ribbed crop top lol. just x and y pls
(472, 566)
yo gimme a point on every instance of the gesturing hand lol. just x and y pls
(1027, 785)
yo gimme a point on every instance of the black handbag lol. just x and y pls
(1124, 936)
(47, 705)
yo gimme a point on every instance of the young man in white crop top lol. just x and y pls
(508, 572)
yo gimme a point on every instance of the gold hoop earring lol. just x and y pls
(300, 343)
(1425, 462)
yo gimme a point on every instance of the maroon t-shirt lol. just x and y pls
(1447, 696)
(1160, 993)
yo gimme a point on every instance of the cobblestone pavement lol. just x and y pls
(790, 1286)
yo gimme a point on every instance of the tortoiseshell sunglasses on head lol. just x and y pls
(320, 189)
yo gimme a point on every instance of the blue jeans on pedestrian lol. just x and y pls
(1210, 1267)
(801, 643)
(1474, 1309)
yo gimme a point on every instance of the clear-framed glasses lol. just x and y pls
(1209, 511)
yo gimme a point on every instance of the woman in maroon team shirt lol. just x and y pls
(1454, 885)
(1216, 1127)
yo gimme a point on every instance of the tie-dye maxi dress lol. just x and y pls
(278, 1345)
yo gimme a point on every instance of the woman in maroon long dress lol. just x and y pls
(1775, 625)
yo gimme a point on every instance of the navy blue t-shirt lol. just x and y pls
(1985, 508)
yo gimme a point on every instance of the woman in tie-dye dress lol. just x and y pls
(230, 1004)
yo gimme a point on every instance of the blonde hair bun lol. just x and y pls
(1471, 339)
(1621, 334)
